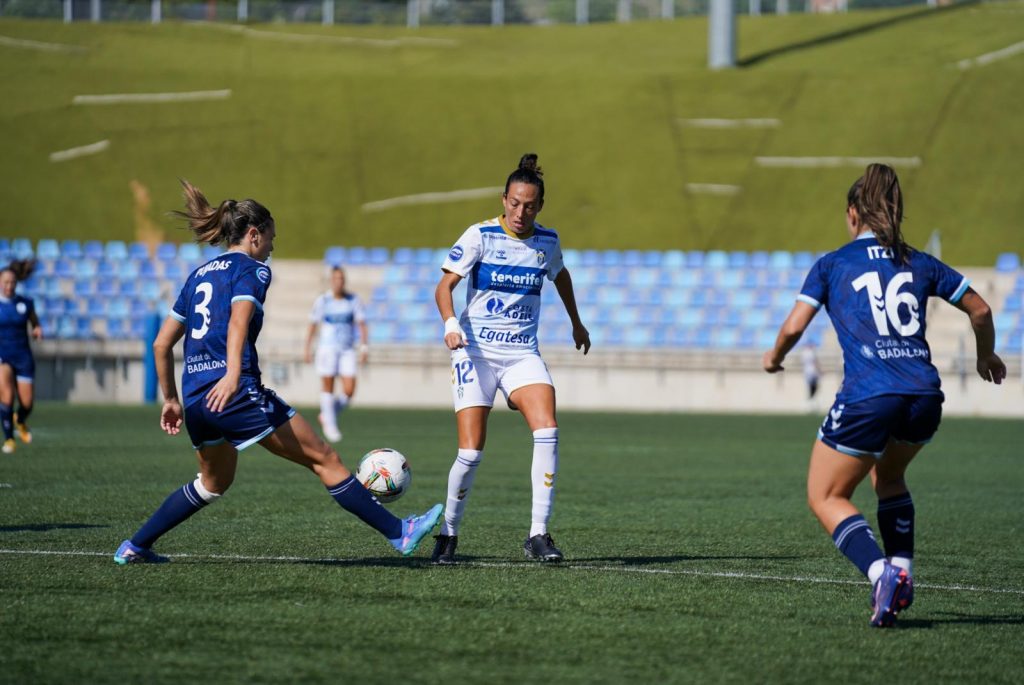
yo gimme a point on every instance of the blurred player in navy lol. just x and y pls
(875, 289)
(224, 406)
(338, 314)
(17, 365)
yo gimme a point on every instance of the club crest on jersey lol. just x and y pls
(456, 253)
(21, 308)
(540, 256)
(263, 274)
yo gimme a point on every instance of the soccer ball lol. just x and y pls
(385, 473)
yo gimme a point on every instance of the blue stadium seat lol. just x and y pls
(383, 331)
(755, 318)
(403, 255)
(571, 259)
(93, 249)
(730, 280)
(175, 271)
(590, 258)
(425, 257)
(631, 258)
(378, 256)
(5, 245)
(653, 259)
(716, 259)
(47, 249)
(781, 259)
(642, 277)
(803, 260)
(1007, 262)
(151, 290)
(1013, 302)
(138, 250)
(673, 259)
(625, 316)
(695, 259)
(759, 259)
(85, 287)
(166, 252)
(115, 250)
(71, 249)
(107, 287)
(190, 252)
(21, 248)
(83, 328)
(211, 251)
(335, 256)
(766, 338)
(148, 269)
(1019, 286)
(128, 269)
(107, 269)
(357, 256)
(750, 279)
(85, 268)
(738, 260)
(638, 336)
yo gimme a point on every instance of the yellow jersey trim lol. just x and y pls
(512, 234)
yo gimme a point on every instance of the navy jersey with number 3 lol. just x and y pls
(204, 307)
(877, 306)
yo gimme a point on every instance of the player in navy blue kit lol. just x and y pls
(889, 405)
(17, 365)
(224, 406)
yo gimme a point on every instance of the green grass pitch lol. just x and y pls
(691, 557)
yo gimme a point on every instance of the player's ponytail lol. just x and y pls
(527, 172)
(227, 223)
(879, 204)
(21, 268)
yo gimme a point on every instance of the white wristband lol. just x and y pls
(451, 325)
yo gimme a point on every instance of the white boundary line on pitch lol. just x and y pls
(81, 151)
(713, 188)
(532, 565)
(432, 198)
(284, 37)
(989, 57)
(829, 162)
(732, 123)
(39, 45)
(147, 98)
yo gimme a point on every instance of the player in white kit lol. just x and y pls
(337, 314)
(494, 346)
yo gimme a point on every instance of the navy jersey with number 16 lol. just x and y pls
(877, 306)
(204, 307)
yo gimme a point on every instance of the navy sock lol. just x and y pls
(5, 418)
(356, 499)
(23, 412)
(178, 506)
(853, 537)
(896, 524)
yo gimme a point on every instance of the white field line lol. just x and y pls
(148, 98)
(432, 198)
(713, 188)
(567, 566)
(335, 40)
(989, 57)
(828, 162)
(37, 45)
(731, 123)
(81, 151)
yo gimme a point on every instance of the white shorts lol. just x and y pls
(476, 380)
(331, 362)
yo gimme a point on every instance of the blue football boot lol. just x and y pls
(415, 528)
(893, 592)
(128, 553)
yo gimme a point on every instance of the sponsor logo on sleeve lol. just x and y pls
(456, 253)
(263, 274)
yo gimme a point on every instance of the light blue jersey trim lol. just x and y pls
(807, 299)
(911, 442)
(964, 284)
(865, 235)
(25, 379)
(248, 298)
(252, 441)
(176, 316)
(848, 450)
(208, 443)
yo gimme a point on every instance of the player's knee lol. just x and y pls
(211, 487)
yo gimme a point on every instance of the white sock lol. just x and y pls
(904, 563)
(340, 402)
(543, 474)
(327, 414)
(875, 570)
(460, 480)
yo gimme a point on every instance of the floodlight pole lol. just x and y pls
(154, 11)
(412, 14)
(243, 11)
(497, 12)
(721, 34)
(328, 13)
(582, 11)
(94, 11)
(69, 14)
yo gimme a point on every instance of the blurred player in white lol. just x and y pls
(494, 346)
(812, 372)
(337, 314)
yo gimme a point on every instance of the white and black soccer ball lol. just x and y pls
(385, 473)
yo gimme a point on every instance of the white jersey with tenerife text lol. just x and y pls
(504, 276)
(337, 318)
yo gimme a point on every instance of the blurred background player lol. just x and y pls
(875, 290)
(494, 346)
(17, 365)
(812, 372)
(225, 406)
(337, 313)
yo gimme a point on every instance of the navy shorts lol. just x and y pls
(253, 413)
(23, 363)
(864, 428)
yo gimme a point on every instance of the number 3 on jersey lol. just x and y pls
(206, 290)
(889, 306)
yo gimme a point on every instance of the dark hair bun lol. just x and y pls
(529, 163)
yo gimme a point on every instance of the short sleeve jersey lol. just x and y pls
(337, 318)
(877, 306)
(504, 275)
(204, 306)
(14, 316)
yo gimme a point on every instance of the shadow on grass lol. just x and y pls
(948, 618)
(849, 33)
(43, 527)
